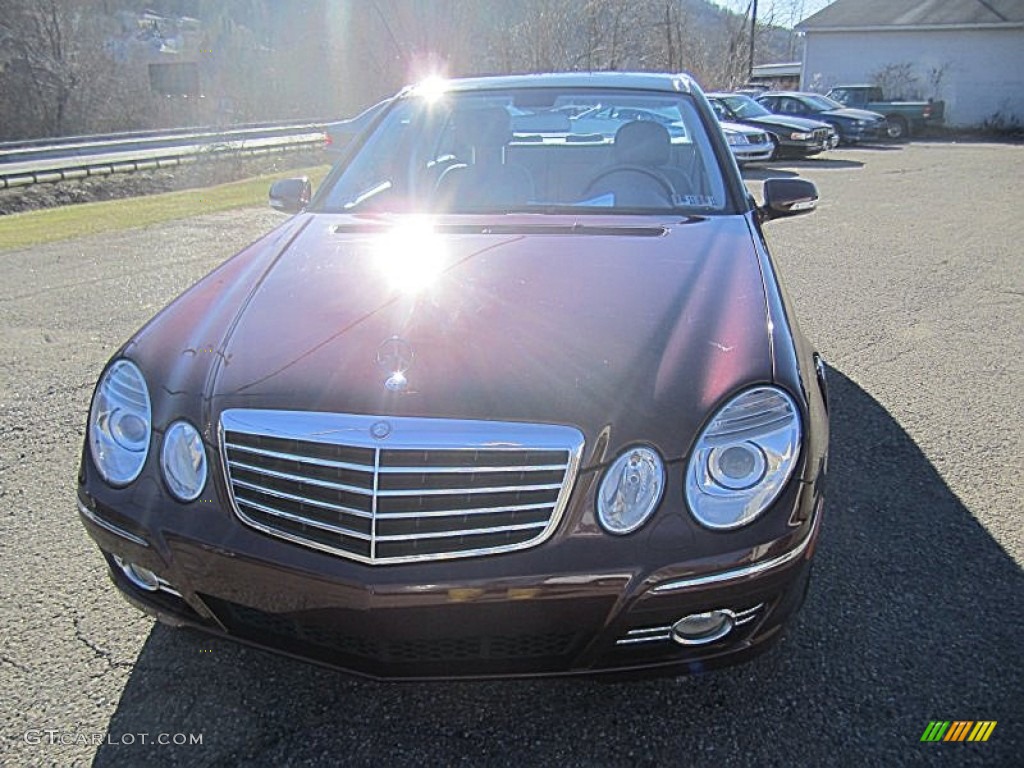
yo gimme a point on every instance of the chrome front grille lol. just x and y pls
(398, 489)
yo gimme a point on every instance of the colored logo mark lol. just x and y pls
(958, 730)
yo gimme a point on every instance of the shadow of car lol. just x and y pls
(896, 633)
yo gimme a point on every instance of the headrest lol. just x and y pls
(642, 142)
(484, 127)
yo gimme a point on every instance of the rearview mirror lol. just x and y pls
(290, 195)
(787, 197)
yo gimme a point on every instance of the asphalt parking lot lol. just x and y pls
(910, 279)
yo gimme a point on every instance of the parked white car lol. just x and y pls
(747, 143)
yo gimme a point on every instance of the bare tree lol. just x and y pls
(897, 80)
(51, 48)
(936, 76)
(542, 41)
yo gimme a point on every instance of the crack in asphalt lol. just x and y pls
(4, 659)
(100, 653)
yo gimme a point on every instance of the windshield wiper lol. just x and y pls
(371, 192)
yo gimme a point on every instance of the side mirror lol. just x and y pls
(787, 197)
(290, 195)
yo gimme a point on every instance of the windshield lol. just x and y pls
(586, 150)
(822, 102)
(744, 107)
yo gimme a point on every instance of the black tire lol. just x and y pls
(896, 128)
(839, 133)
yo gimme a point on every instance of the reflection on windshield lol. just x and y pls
(744, 107)
(533, 150)
(823, 102)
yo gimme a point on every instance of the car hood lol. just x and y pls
(854, 114)
(626, 327)
(791, 123)
(746, 130)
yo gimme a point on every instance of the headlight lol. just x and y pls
(630, 490)
(801, 136)
(183, 461)
(120, 422)
(736, 139)
(743, 458)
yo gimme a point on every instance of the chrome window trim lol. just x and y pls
(91, 516)
(407, 433)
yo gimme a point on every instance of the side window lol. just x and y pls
(789, 107)
(372, 171)
(769, 103)
(841, 95)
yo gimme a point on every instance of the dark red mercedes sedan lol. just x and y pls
(514, 393)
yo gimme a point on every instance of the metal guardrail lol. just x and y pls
(39, 162)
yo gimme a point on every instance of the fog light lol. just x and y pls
(702, 628)
(143, 578)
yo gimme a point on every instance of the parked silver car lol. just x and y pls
(748, 144)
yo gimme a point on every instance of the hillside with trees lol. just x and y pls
(73, 67)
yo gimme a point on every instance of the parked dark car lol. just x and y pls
(792, 136)
(852, 125)
(901, 117)
(490, 404)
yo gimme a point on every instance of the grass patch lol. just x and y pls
(18, 230)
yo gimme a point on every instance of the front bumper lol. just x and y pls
(747, 153)
(496, 616)
(807, 147)
(855, 133)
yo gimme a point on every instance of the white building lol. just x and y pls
(970, 53)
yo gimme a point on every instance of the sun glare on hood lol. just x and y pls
(411, 255)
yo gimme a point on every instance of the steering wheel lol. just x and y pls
(651, 173)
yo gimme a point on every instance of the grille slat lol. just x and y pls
(288, 629)
(414, 470)
(428, 489)
(302, 479)
(459, 533)
(301, 520)
(458, 491)
(467, 511)
(303, 459)
(301, 499)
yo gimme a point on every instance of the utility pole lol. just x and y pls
(753, 26)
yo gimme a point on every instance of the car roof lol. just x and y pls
(645, 81)
(723, 94)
